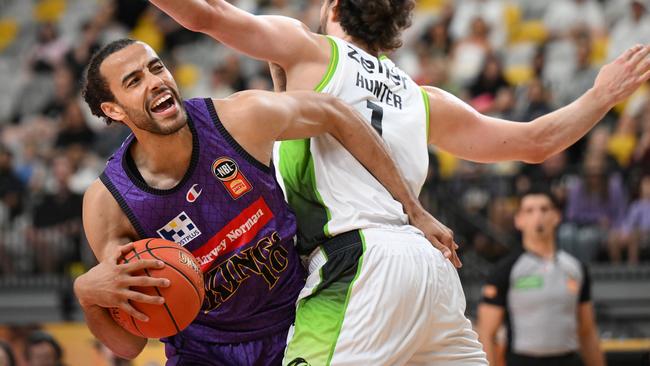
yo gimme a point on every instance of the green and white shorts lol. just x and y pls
(381, 297)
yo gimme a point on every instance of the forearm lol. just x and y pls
(191, 14)
(116, 338)
(358, 137)
(560, 129)
(592, 355)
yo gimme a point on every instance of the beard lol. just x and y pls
(144, 120)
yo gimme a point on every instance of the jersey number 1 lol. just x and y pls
(377, 116)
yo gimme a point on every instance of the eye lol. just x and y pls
(133, 82)
(157, 68)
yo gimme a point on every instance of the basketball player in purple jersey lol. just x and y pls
(348, 61)
(199, 172)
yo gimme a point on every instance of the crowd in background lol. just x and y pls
(516, 60)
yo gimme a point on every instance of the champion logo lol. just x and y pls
(192, 195)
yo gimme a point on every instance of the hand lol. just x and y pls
(438, 234)
(617, 80)
(108, 284)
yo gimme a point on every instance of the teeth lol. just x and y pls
(163, 99)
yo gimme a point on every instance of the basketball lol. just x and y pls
(183, 298)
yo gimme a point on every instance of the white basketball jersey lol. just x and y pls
(329, 190)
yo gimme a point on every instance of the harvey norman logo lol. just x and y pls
(238, 232)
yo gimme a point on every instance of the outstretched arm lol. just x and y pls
(459, 129)
(303, 114)
(281, 40)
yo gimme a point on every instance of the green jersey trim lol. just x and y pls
(331, 68)
(425, 96)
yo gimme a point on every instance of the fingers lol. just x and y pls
(446, 252)
(640, 55)
(146, 281)
(134, 313)
(142, 265)
(120, 251)
(627, 55)
(145, 299)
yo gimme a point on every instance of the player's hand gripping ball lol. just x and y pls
(183, 297)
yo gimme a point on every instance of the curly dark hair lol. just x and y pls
(377, 23)
(95, 87)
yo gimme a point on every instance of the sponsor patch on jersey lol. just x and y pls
(181, 230)
(238, 232)
(226, 170)
(572, 286)
(193, 194)
(529, 282)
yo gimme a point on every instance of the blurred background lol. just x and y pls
(516, 59)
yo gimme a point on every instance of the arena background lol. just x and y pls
(516, 59)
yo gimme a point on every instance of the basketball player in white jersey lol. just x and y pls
(378, 293)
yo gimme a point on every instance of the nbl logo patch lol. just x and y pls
(226, 170)
(180, 230)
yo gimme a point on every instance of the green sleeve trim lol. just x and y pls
(383, 57)
(427, 117)
(331, 68)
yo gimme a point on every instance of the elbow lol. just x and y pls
(539, 152)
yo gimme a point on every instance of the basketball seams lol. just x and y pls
(171, 316)
(198, 293)
(146, 246)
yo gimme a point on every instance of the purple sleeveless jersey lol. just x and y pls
(230, 213)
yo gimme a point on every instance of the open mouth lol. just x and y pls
(164, 105)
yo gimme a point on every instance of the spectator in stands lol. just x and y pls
(11, 188)
(50, 49)
(636, 227)
(43, 350)
(596, 204)
(490, 11)
(468, 54)
(537, 101)
(74, 129)
(582, 78)
(633, 28)
(484, 90)
(57, 221)
(542, 294)
(563, 17)
(6, 355)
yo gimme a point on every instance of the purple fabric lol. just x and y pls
(638, 218)
(243, 238)
(584, 208)
(263, 352)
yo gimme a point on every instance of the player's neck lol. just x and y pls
(334, 29)
(163, 160)
(541, 246)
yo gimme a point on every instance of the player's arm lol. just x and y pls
(590, 350)
(459, 129)
(277, 39)
(490, 318)
(264, 117)
(107, 285)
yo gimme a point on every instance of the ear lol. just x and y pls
(557, 217)
(113, 111)
(518, 223)
(334, 12)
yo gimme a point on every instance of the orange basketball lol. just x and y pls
(183, 298)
